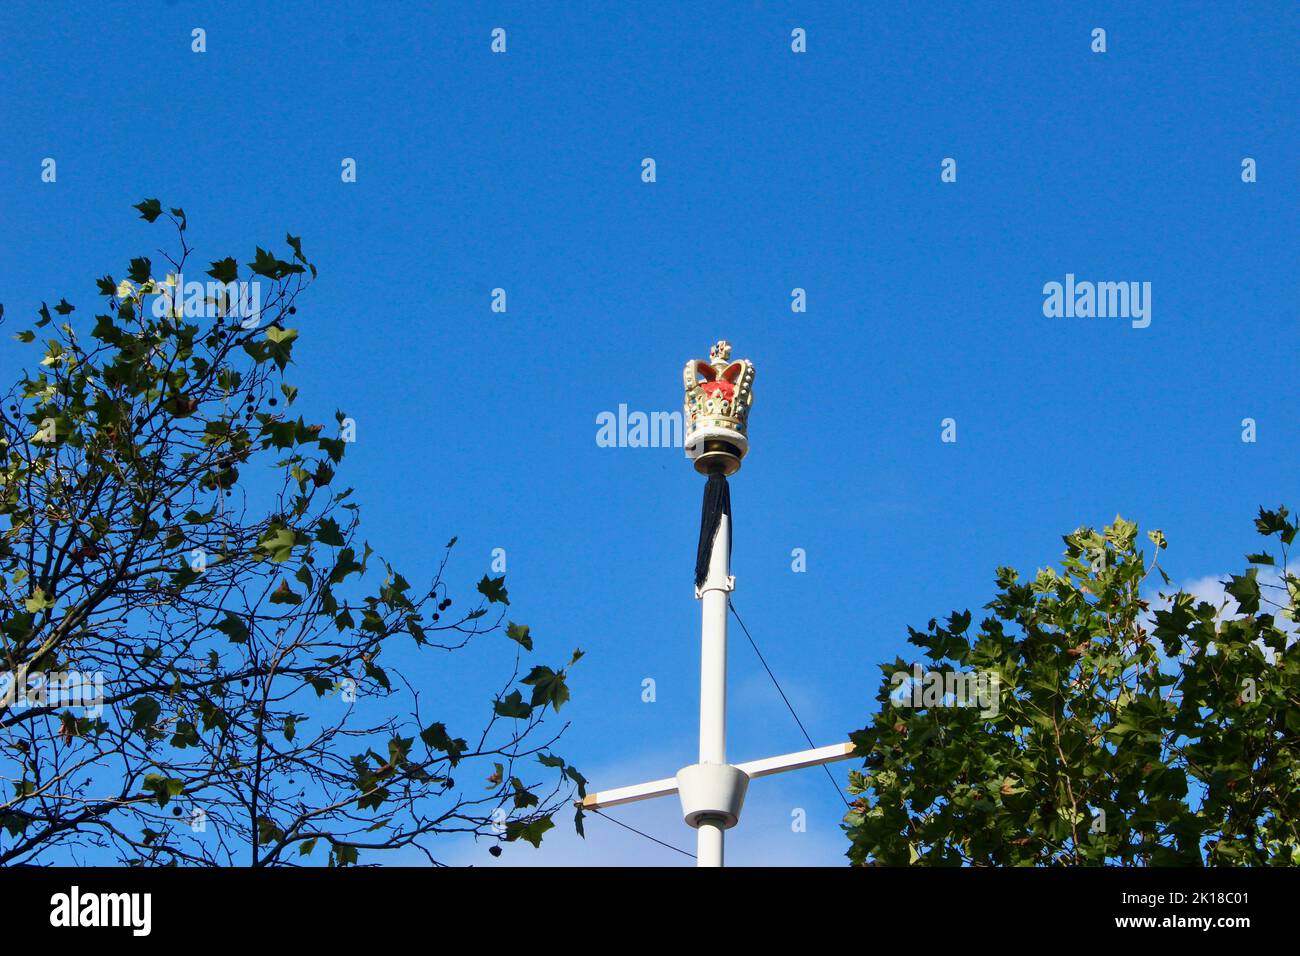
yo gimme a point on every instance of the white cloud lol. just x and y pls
(1212, 590)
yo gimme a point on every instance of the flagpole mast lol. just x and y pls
(713, 682)
(718, 395)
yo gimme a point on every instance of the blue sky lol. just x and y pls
(775, 170)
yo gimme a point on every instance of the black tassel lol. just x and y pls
(717, 502)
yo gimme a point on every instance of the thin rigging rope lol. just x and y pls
(639, 833)
(789, 706)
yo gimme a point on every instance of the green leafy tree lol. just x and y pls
(1123, 733)
(168, 527)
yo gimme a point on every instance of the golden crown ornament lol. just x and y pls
(718, 395)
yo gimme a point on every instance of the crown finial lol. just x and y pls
(719, 393)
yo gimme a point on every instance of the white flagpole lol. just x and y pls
(713, 682)
(712, 791)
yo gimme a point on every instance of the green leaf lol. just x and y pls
(347, 564)
(548, 687)
(264, 264)
(140, 270)
(519, 634)
(1275, 522)
(280, 344)
(398, 748)
(233, 627)
(1245, 588)
(513, 706)
(494, 589)
(163, 788)
(581, 781)
(415, 630)
(344, 855)
(185, 735)
(285, 594)
(523, 797)
(528, 831)
(106, 331)
(225, 270)
(145, 711)
(150, 209)
(38, 601)
(328, 532)
(268, 832)
(435, 737)
(278, 543)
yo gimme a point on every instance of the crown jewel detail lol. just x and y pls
(718, 392)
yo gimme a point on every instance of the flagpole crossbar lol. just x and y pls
(753, 768)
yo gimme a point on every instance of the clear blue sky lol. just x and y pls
(775, 171)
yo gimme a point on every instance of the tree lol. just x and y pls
(1119, 733)
(195, 639)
